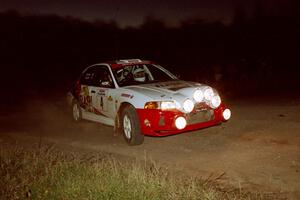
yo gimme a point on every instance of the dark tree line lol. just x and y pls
(257, 52)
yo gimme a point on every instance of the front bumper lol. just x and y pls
(162, 123)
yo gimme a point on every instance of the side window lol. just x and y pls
(103, 77)
(88, 77)
(98, 76)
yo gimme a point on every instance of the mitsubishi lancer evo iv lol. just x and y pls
(141, 98)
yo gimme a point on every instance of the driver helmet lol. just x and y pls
(139, 75)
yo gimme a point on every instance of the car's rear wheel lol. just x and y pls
(130, 126)
(76, 111)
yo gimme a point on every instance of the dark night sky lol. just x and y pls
(132, 12)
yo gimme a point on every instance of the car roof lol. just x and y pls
(121, 63)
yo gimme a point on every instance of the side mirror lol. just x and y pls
(178, 76)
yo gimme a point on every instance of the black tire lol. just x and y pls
(130, 126)
(76, 111)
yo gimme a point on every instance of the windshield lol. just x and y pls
(141, 74)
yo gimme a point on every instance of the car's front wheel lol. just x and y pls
(76, 111)
(130, 126)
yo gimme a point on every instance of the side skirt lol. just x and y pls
(97, 118)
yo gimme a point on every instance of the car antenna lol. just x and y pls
(116, 41)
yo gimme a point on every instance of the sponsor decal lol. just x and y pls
(84, 99)
(126, 95)
(172, 86)
(116, 104)
(101, 92)
(84, 90)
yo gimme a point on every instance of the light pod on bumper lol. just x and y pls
(226, 114)
(180, 123)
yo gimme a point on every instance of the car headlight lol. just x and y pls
(208, 93)
(188, 105)
(167, 105)
(198, 95)
(215, 101)
(164, 105)
(152, 105)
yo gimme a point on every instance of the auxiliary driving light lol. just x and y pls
(198, 95)
(226, 114)
(188, 105)
(215, 101)
(208, 93)
(180, 123)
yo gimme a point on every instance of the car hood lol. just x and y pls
(167, 90)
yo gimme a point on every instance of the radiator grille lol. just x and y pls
(199, 116)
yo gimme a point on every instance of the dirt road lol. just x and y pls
(259, 148)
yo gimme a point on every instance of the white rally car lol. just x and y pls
(140, 98)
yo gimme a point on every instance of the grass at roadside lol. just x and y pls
(46, 173)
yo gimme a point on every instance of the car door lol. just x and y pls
(87, 80)
(101, 91)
